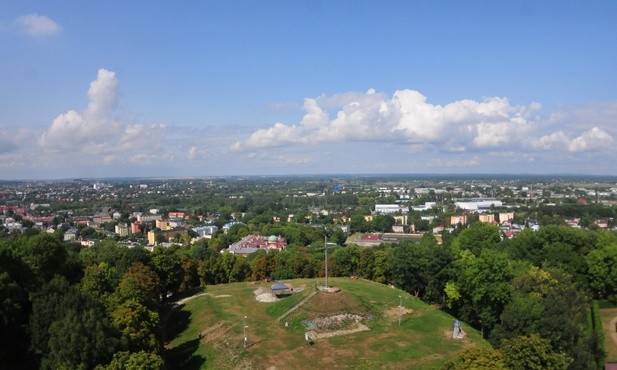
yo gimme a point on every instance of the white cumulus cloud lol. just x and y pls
(95, 125)
(37, 25)
(98, 133)
(593, 139)
(406, 117)
(492, 125)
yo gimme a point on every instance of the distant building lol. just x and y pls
(167, 235)
(387, 209)
(88, 243)
(135, 227)
(162, 224)
(206, 231)
(148, 218)
(425, 206)
(487, 218)
(345, 228)
(506, 216)
(253, 243)
(176, 222)
(151, 237)
(231, 224)
(455, 220)
(532, 224)
(398, 229)
(70, 234)
(101, 218)
(479, 205)
(122, 230)
(401, 219)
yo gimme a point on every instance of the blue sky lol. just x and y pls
(201, 88)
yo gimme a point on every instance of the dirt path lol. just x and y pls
(611, 327)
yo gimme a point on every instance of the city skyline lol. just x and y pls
(234, 88)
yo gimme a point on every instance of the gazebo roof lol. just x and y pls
(279, 286)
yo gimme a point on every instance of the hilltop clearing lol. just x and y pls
(357, 327)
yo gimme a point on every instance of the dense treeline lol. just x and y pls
(66, 307)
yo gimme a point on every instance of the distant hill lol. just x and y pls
(357, 327)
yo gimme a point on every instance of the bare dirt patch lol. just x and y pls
(609, 320)
(222, 296)
(264, 295)
(613, 333)
(395, 311)
(297, 289)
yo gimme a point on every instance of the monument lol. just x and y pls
(457, 332)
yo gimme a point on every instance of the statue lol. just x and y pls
(457, 332)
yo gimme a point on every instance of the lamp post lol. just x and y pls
(245, 327)
(325, 247)
(325, 240)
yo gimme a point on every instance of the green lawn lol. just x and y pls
(422, 341)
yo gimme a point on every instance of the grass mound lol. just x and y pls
(207, 332)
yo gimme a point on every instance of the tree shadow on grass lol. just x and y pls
(178, 322)
(184, 357)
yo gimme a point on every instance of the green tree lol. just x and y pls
(262, 266)
(345, 261)
(302, 264)
(479, 236)
(70, 329)
(139, 283)
(138, 325)
(211, 271)
(128, 256)
(547, 302)
(602, 272)
(190, 278)
(49, 304)
(438, 270)
(45, 254)
(16, 284)
(408, 266)
(141, 360)
(366, 263)
(240, 270)
(283, 265)
(381, 272)
(168, 267)
(81, 339)
(477, 358)
(532, 353)
(483, 287)
(358, 224)
(382, 223)
(98, 281)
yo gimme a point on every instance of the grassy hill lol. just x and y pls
(206, 332)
